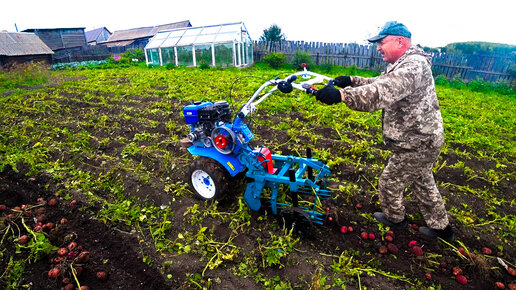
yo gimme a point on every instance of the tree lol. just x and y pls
(479, 47)
(272, 33)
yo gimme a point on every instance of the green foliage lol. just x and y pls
(301, 57)
(275, 59)
(79, 65)
(22, 75)
(477, 86)
(326, 68)
(478, 47)
(488, 129)
(278, 247)
(204, 65)
(14, 276)
(429, 49)
(134, 55)
(273, 33)
(170, 65)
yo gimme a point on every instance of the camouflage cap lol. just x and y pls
(391, 28)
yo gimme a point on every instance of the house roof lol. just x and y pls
(92, 35)
(19, 43)
(145, 32)
(57, 28)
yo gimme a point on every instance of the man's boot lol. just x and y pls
(447, 234)
(380, 216)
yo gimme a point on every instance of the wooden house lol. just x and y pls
(60, 38)
(19, 47)
(93, 37)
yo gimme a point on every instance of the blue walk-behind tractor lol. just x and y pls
(296, 185)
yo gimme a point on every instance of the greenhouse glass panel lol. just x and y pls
(224, 54)
(187, 40)
(249, 53)
(224, 37)
(176, 33)
(192, 31)
(211, 30)
(170, 42)
(157, 40)
(203, 54)
(167, 55)
(154, 43)
(184, 55)
(244, 53)
(153, 56)
(208, 38)
(230, 28)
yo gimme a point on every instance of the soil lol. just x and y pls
(120, 251)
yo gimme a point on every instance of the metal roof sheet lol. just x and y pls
(92, 35)
(19, 43)
(143, 32)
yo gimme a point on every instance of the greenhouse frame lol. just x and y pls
(220, 45)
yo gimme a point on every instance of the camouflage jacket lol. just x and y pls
(411, 118)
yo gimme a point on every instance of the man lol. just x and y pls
(412, 127)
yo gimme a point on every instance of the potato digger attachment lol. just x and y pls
(287, 184)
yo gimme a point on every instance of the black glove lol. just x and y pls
(329, 95)
(342, 81)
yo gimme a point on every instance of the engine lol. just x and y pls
(204, 117)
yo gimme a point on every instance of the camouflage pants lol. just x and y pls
(414, 169)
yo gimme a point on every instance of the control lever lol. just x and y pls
(309, 89)
(286, 86)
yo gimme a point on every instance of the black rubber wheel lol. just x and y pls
(208, 179)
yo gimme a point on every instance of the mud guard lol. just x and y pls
(229, 161)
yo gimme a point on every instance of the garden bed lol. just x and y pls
(105, 145)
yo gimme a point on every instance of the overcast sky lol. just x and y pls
(432, 23)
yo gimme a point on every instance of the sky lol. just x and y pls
(432, 23)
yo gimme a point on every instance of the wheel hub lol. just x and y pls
(203, 184)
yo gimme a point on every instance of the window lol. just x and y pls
(185, 55)
(167, 55)
(224, 54)
(203, 54)
(153, 56)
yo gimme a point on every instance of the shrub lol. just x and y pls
(326, 68)
(441, 80)
(301, 57)
(479, 85)
(204, 65)
(275, 59)
(134, 54)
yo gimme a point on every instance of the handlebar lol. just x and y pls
(285, 85)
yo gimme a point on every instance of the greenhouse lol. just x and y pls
(216, 45)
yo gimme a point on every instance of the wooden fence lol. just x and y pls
(488, 67)
(87, 52)
(338, 54)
